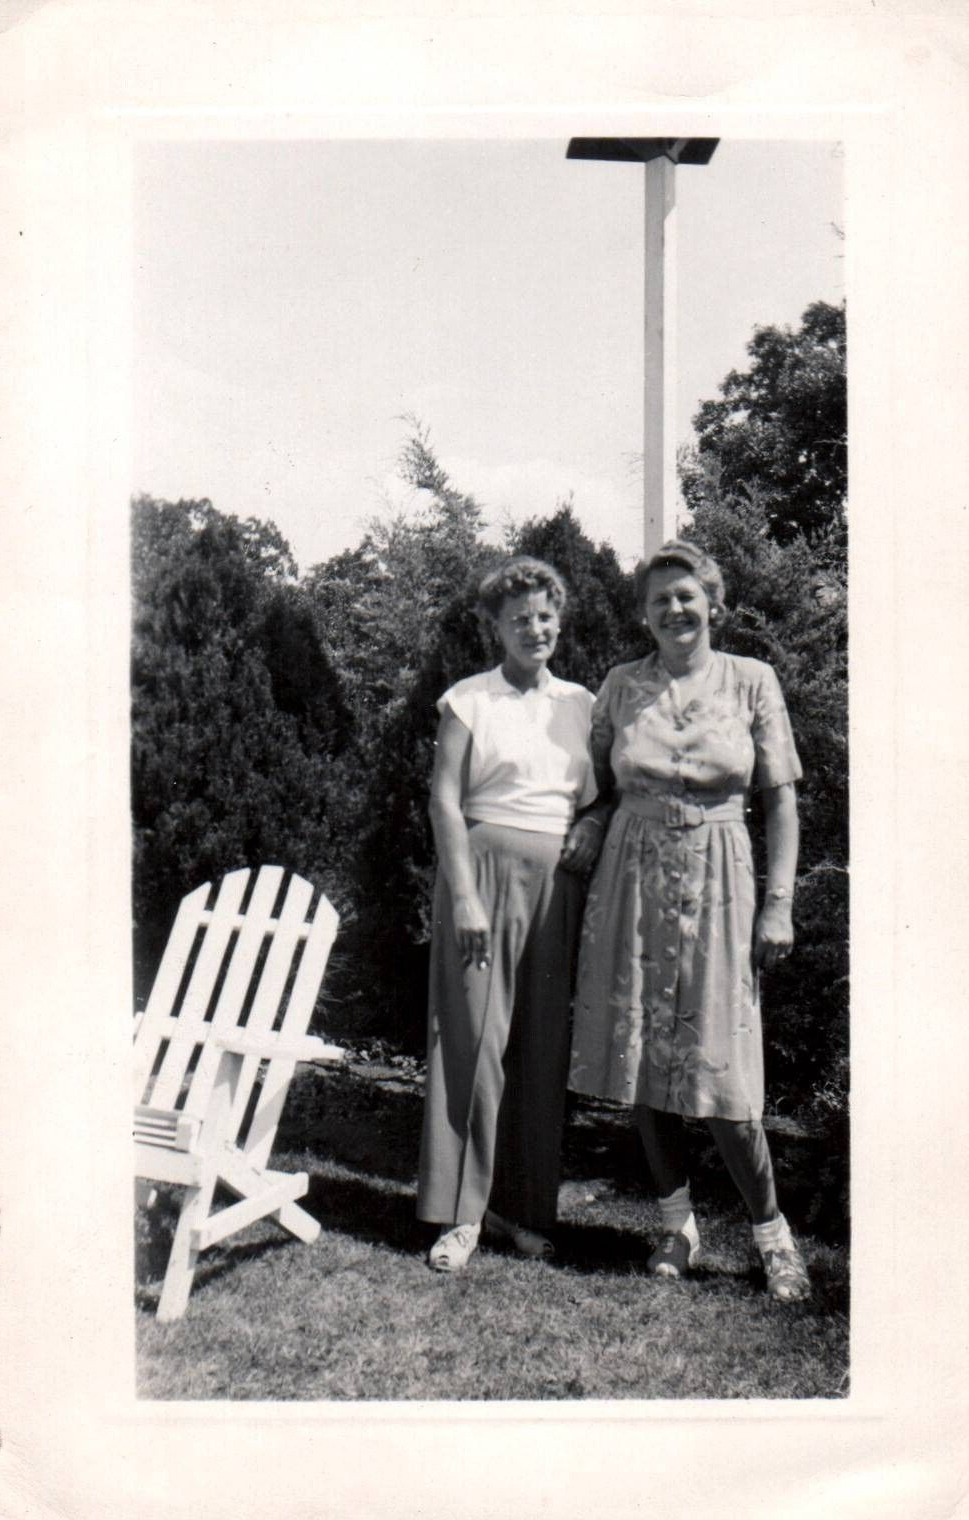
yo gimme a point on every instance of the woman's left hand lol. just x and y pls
(773, 934)
(582, 846)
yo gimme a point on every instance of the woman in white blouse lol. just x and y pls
(512, 769)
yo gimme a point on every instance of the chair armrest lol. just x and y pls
(165, 1127)
(270, 1046)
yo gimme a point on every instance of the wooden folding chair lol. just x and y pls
(230, 1003)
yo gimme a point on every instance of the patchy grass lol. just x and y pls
(357, 1315)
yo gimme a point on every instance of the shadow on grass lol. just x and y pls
(357, 1207)
(219, 1262)
(341, 1122)
(370, 1126)
(376, 1215)
(374, 1127)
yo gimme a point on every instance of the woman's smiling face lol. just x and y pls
(528, 628)
(677, 610)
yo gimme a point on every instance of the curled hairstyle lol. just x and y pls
(516, 577)
(680, 554)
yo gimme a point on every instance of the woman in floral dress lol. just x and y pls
(667, 1014)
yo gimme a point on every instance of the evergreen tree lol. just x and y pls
(294, 720)
(235, 711)
(788, 605)
(600, 626)
(400, 623)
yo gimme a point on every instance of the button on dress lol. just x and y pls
(666, 1008)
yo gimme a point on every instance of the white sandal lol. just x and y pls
(786, 1274)
(526, 1242)
(454, 1247)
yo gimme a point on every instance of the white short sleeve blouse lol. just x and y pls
(530, 766)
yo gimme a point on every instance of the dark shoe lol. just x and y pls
(674, 1255)
(526, 1242)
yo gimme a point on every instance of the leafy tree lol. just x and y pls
(780, 429)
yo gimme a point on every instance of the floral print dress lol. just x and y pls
(666, 1009)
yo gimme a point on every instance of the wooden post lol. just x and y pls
(660, 156)
(660, 493)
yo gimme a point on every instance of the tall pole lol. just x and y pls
(660, 494)
(660, 155)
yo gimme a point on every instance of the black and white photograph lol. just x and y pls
(483, 560)
(489, 569)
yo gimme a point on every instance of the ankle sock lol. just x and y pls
(676, 1212)
(773, 1235)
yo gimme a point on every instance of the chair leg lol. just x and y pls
(245, 1180)
(298, 1222)
(183, 1257)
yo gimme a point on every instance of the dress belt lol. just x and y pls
(677, 814)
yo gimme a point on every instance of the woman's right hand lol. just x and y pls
(583, 845)
(472, 931)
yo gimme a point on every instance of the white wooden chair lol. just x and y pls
(230, 1003)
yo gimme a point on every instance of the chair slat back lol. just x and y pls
(290, 932)
(168, 979)
(256, 923)
(296, 1017)
(194, 1029)
(186, 1028)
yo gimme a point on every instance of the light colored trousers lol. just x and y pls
(498, 1038)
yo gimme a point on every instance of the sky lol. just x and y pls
(296, 301)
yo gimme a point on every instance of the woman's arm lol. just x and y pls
(774, 931)
(452, 754)
(587, 833)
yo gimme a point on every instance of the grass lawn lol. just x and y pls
(357, 1315)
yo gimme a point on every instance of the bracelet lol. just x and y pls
(779, 892)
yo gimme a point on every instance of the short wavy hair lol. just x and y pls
(516, 577)
(680, 553)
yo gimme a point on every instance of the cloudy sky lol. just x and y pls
(294, 300)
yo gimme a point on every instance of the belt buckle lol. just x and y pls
(674, 816)
(682, 815)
